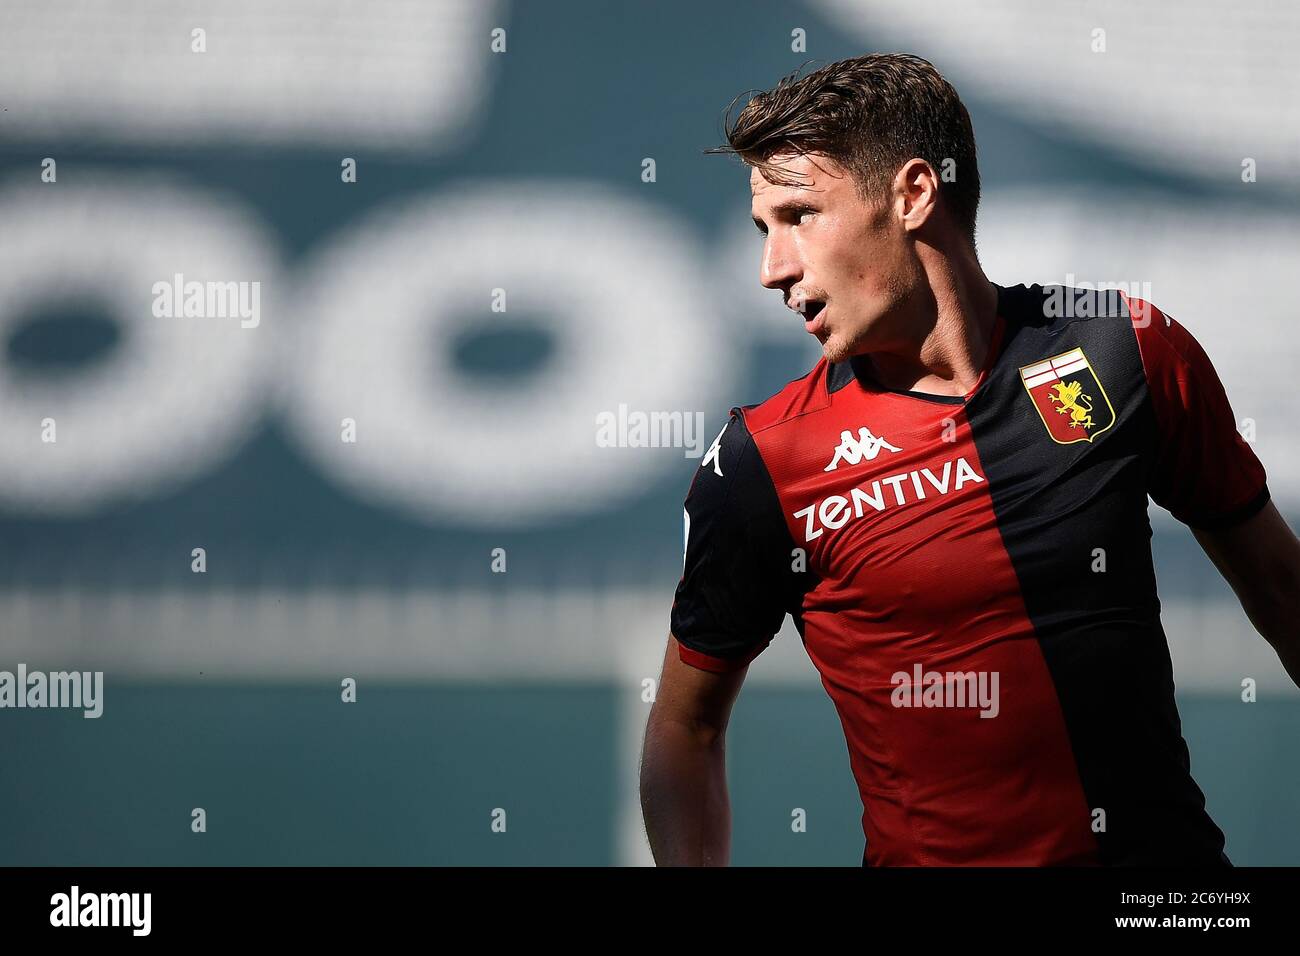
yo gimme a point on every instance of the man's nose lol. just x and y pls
(780, 268)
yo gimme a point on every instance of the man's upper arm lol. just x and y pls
(1259, 557)
(737, 580)
(696, 698)
(1204, 472)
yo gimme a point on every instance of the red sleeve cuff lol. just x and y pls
(717, 665)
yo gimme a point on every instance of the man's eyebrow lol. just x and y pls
(786, 206)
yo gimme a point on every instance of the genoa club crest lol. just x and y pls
(1069, 397)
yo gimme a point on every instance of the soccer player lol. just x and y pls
(952, 505)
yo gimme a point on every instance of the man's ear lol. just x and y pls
(916, 193)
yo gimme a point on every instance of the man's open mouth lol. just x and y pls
(812, 316)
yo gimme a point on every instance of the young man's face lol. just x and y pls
(843, 262)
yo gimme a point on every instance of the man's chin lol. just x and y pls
(835, 349)
(839, 347)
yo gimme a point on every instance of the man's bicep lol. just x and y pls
(1258, 557)
(689, 695)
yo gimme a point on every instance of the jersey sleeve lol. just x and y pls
(1204, 472)
(737, 577)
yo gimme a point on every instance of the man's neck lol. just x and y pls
(951, 332)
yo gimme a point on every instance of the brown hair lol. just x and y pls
(870, 114)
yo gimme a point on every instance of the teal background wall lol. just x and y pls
(409, 775)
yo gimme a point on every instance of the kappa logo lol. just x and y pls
(854, 450)
(1069, 397)
(715, 452)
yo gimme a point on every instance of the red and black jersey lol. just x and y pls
(972, 578)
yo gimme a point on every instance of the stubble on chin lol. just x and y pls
(836, 348)
(833, 351)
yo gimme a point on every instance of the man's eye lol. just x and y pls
(803, 216)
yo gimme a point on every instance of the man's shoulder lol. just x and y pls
(808, 393)
(1054, 306)
(738, 452)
